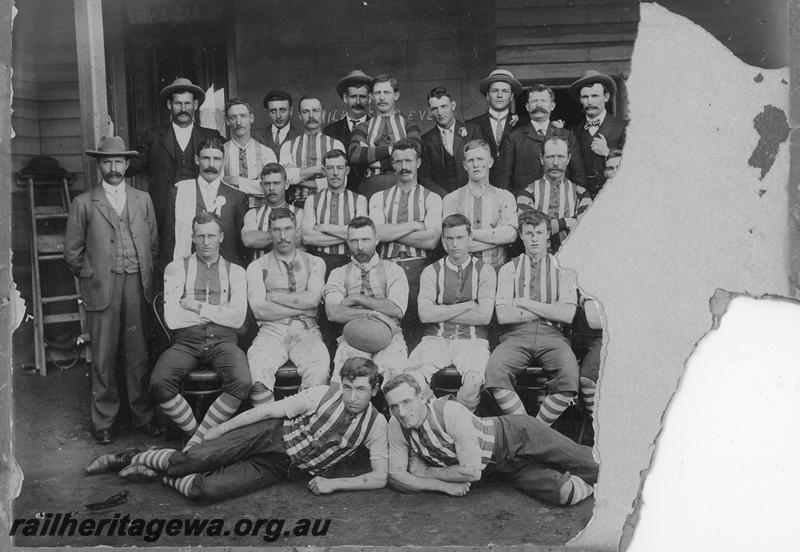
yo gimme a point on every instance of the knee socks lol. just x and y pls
(553, 406)
(508, 401)
(222, 409)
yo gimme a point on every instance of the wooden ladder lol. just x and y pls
(46, 249)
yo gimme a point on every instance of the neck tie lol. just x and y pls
(366, 287)
(334, 218)
(402, 209)
(290, 276)
(535, 281)
(541, 133)
(448, 142)
(276, 136)
(384, 134)
(460, 283)
(498, 134)
(353, 124)
(591, 124)
(311, 158)
(243, 163)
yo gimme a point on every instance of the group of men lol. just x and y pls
(348, 221)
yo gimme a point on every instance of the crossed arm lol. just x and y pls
(323, 235)
(512, 309)
(474, 313)
(422, 234)
(274, 305)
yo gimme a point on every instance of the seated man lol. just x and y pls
(438, 445)
(368, 286)
(310, 432)
(456, 301)
(284, 288)
(533, 299)
(205, 301)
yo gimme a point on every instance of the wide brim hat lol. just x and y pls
(590, 77)
(500, 75)
(112, 146)
(353, 78)
(182, 85)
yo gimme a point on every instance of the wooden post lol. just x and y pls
(91, 78)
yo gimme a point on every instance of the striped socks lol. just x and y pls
(158, 459)
(259, 394)
(223, 408)
(574, 490)
(508, 401)
(181, 484)
(179, 411)
(588, 388)
(553, 405)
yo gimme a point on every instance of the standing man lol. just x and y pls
(600, 132)
(456, 302)
(205, 193)
(244, 156)
(440, 446)
(408, 218)
(110, 244)
(519, 163)
(354, 90)
(499, 88)
(492, 210)
(168, 152)
(302, 155)
(284, 288)
(562, 200)
(368, 286)
(372, 142)
(278, 104)
(255, 232)
(205, 301)
(442, 169)
(534, 298)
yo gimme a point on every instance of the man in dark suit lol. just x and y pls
(354, 89)
(600, 132)
(167, 152)
(110, 244)
(521, 151)
(207, 192)
(278, 104)
(442, 169)
(500, 88)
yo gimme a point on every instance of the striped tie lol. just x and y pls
(366, 287)
(334, 218)
(498, 135)
(243, 163)
(460, 284)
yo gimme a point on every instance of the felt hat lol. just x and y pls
(112, 146)
(353, 78)
(589, 78)
(500, 75)
(182, 84)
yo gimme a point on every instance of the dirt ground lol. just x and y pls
(52, 444)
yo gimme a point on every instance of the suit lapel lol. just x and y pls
(458, 143)
(169, 141)
(101, 203)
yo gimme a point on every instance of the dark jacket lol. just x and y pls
(593, 165)
(433, 170)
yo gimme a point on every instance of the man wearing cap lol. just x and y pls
(278, 104)
(354, 90)
(372, 141)
(110, 244)
(519, 161)
(500, 88)
(302, 155)
(600, 132)
(168, 152)
(244, 155)
(442, 169)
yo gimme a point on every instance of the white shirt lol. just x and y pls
(209, 191)
(183, 135)
(447, 137)
(540, 126)
(493, 116)
(602, 117)
(279, 134)
(353, 123)
(116, 195)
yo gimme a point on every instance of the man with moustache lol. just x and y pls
(110, 244)
(302, 156)
(561, 199)
(442, 169)
(353, 89)
(205, 193)
(244, 156)
(205, 302)
(600, 132)
(368, 286)
(612, 164)
(255, 231)
(409, 222)
(519, 163)
(499, 87)
(284, 289)
(372, 142)
(278, 104)
(168, 152)
(492, 210)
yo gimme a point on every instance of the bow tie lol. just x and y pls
(590, 124)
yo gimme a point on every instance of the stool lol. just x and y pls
(446, 381)
(287, 381)
(201, 388)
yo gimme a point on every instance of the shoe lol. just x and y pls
(110, 461)
(139, 473)
(103, 437)
(150, 429)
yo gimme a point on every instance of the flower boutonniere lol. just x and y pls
(462, 131)
(514, 120)
(558, 123)
(216, 207)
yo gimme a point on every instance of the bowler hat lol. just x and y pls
(353, 78)
(500, 75)
(112, 146)
(589, 78)
(182, 84)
